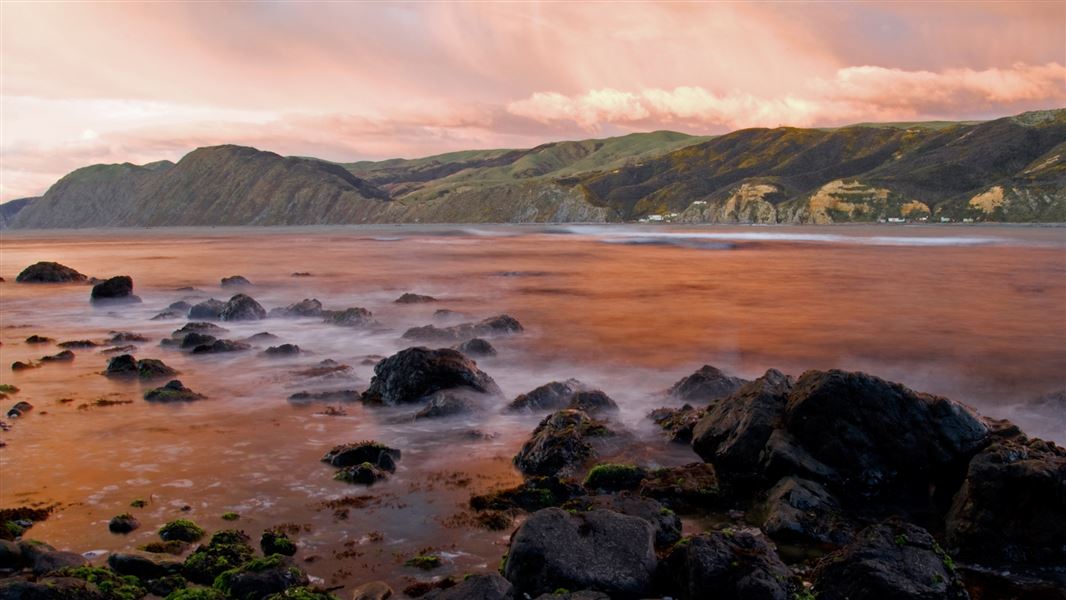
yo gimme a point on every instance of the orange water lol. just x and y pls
(973, 313)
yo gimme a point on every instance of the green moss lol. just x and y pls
(230, 516)
(228, 549)
(181, 529)
(256, 565)
(139, 503)
(561, 591)
(424, 561)
(613, 476)
(171, 547)
(302, 593)
(503, 564)
(196, 594)
(277, 542)
(901, 540)
(804, 595)
(7, 388)
(11, 530)
(113, 586)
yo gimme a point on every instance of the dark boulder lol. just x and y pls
(893, 559)
(125, 365)
(18, 365)
(55, 560)
(143, 565)
(349, 317)
(260, 578)
(375, 453)
(880, 435)
(115, 290)
(173, 391)
(81, 344)
(234, 281)
(199, 327)
(476, 347)
(684, 488)
(281, 350)
(732, 564)
(51, 588)
(705, 385)
(308, 307)
(592, 402)
(210, 310)
(194, 339)
(39, 339)
(599, 549)
(64, 356)
(221, 347)
(554, 395)
(493, 326)
(49, 272)
(487, 586)
(799, 511)
(1012, 505)
(665, 521)
(10, 555)
(242, 308)
(413, 374)
(124, 523)
(678, 423)
(410, 298)
(448, 403)
(613, 477)
(561, 444)
(734, 430)
(20, 409)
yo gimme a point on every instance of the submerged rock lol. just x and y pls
(39, 339)
(374, 453)
(123, 523)
(413, 374)
(593, 402)
(308, 307)
(173, 391)
(554, 395)
(350, 317)
(18, 365)
(476, 347)
(125, 365)
(737, 564)
(364, 474)
(242, 308)
(494, 326)
(209, 309)
(199, 327)
(194, 339)
(705, 385)
(599, 549)
(448, 403)
(531, 495)
(221, 346)
(64, 356)
(20, 409)
(119, 337)
(560, 443)
(281, 350)
(410, 298)
(234, 281)
(325, 396)
(78, 344)
(893, 559)
(49, 272)
(114, 290)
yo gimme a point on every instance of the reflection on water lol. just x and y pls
(975, 314)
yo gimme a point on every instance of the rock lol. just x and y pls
(410, 298)
(173, 391)
(119, 349)
(486, 586)
(31, 550)
(1012, 505)
(200, 327)
(736, 564)
(10, 555)
(113, 291)
(783, 456)
(228, 549)
(413, 374)
(734, 430)
(350, 317)
(531, 495)
(986, 583)
(64, 356)
(78, 344)
(308, 307)
(182, 530)
(893, 559)
(705, 385)
(164, 315)
(194, 339)
(242, 308)
(582, 595)
(592, 402)
(234, 281)
(18, 365)
(375, 453)
(143, 565)
(476, 347)
(683, 488)
(799, 511)
(560, 444)
(494, 326)
(39, 339)
(326, 396)
(260, 578)
(364, 473)
(276, 542)
(880, 435)
(125, 365)
(123, 523)
(599, 549)
(678, 423)
(180, 306)
(210, 309)
(447, 403)
(261, 337)
(221, 346)
(51, 588)
(550, 396)
(54, 560)
(49, 272)
(20, 409)
(300, 274)
(120, 337)
(374, 590)
(665, 521)
(281, 351)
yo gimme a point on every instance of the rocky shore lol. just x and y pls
(831, 484)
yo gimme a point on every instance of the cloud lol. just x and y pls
(855, 93)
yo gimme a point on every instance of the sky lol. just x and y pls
(86, 82)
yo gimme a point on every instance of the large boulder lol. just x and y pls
(487, 586)
(260, 578)
(880, 435)
(732, 564)
(561, 444)
(665, 521)
(375, 453)
(234, 281)
(143, 565)
(115, 290)
(705, 385)
(734, 430)
(242, 307)
(413, 374)
(1012, 505)
(308, 307)
(598, 550)
(476, 347)
(799, 511)
(51, 588)
(687, 487)
(493, 326)
(553, 395)
(209, 309)
(893, 559)
(349, 317)
(55, 560)
(49, 272)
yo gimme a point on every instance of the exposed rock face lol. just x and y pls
(550, 396)
(734, 430)
(242, 308)
(561, 443)
(49, 272)
(706, 385)
(599, 549)
(893, 559)
(114, 291)
(1012, 505)
(210, 310)
(803, 512)
(736, 564)
(413, 374)
(494, 326)
(875, 432)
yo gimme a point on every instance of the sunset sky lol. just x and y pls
(87, 83)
